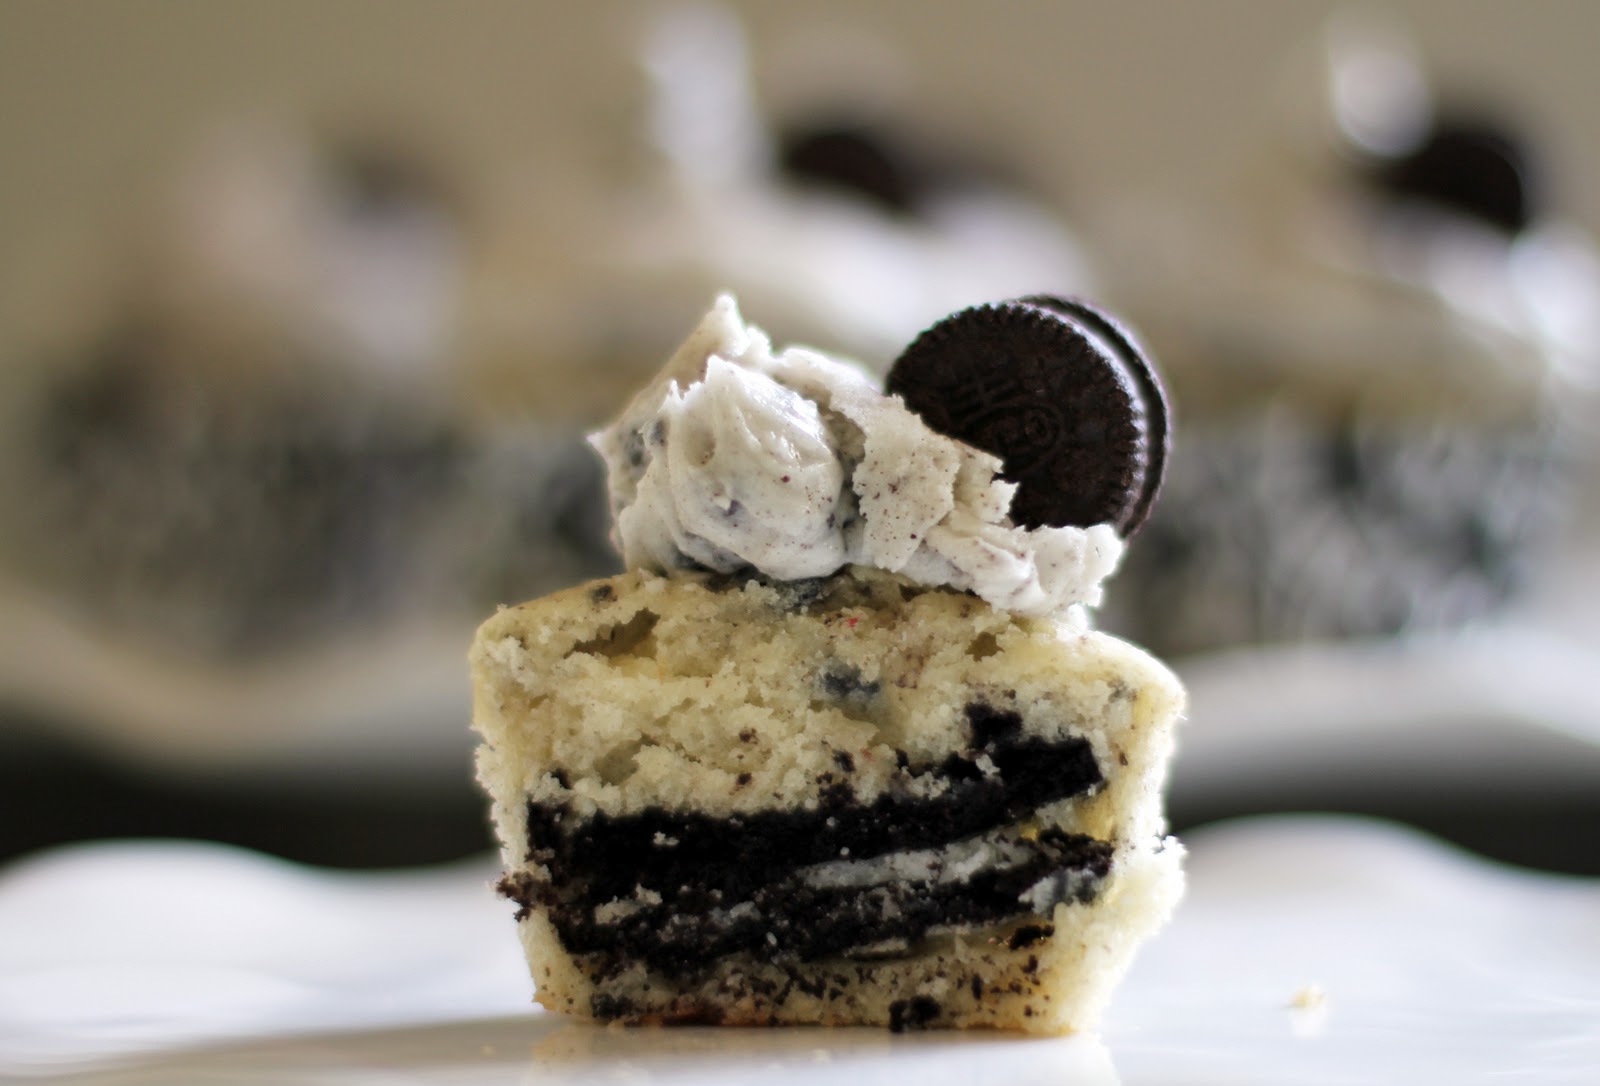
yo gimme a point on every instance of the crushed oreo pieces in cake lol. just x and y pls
(679, 890)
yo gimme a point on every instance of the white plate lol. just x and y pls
(1309, 950)
(1509, 707)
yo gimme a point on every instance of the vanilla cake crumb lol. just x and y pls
(857, 800)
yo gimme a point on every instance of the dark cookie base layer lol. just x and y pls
(790, 919)
(704, 887)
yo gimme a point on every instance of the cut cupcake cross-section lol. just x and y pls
(913, 790)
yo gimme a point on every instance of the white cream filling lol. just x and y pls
(957, 862)
(917, 869)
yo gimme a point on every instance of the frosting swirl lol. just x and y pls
(790, 463)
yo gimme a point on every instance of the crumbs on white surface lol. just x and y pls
(1309, 997)
(796, 464)
(1308, 1011)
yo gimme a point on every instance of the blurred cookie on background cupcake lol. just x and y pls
(1378, 342)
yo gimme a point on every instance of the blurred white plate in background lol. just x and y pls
(1308, 951)
(1503, 708)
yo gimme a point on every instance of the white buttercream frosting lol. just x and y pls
(794, 464)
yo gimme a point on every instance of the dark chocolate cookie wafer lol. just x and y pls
(1472, 166)
(1116, 338)
(1060, 393)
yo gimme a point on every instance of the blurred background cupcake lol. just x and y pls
(1382, 345)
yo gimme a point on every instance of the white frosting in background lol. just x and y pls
(794, 464)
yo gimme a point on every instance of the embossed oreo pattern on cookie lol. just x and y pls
(1122, 345)
(1056, 390)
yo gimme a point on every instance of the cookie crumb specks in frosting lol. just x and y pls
(794, 464)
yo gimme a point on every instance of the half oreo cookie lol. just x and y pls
(1059, 391)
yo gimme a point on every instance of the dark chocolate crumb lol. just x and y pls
(633, 449)
(843, 760)
(1032, 965)
(991, 727)
(742, 780)
(853, 158)
(748, 735)
(611, 1007)
(752, 856)
(1029, 934)
(799, 596)
(913, 1013)
(518, 887)
(977, 987)
(791, 920)
(602, 592)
